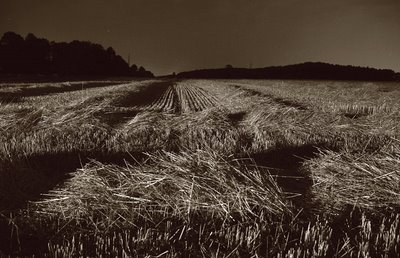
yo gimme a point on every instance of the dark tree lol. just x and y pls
(11, 52)
(77, 58)
(305, 71)
(37, 55)
(134, 68)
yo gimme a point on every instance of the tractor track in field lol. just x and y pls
(280, 101)
(158, 114)
(168, 96)
(152, 97)
(194, 99)
(182, 115)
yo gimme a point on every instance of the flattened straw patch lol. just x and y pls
(368, 181)
(167, 185)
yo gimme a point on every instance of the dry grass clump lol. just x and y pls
(179, 185)
(367, 180)
(64, 131)
(18, 118)
(15, 122)
(278, 127)
(274, 120)
(74, 116)
(63, 124)
(145, 132)
(18, 92)
(209, 129)
(327, 95)
(233, 98)
(55, 102)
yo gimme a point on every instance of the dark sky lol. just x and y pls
(176, 35)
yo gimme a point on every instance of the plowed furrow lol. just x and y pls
(210, 99)
(191, 100)
(169, 100)
(162, 102)
(203, 100)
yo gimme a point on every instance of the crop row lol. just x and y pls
(167, 101)
(182, 97)
(193, 98)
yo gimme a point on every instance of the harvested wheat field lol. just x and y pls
(200, 168)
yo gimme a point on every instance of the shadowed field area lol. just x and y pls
(189, 168)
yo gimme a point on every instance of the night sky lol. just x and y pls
(175, 35)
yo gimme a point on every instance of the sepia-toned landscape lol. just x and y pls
(188, 128)
(214, 168)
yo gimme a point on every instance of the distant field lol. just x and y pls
(188, 168)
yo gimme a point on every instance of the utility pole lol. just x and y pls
(129, 59)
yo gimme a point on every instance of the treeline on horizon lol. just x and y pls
(38, 56)
(304, 71)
